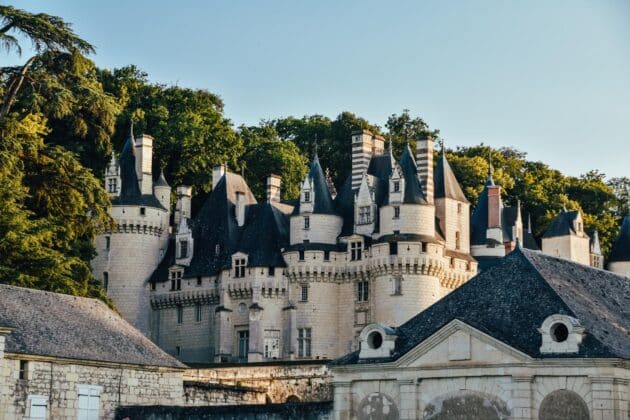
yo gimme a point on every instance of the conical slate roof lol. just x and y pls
(445, 182)
(562, 225)
(621, 249)
(129, 187)
(413, 189)
(323, 200)
(161, 181)
(479, 218)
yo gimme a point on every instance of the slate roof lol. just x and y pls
(413, 189)
(161, 181)
(70, 327)
(527, 287)
(562, 225)
(621, 249)
(263, 236)
(323, 202)
(445, 183)
(130, 194)
(344, 207)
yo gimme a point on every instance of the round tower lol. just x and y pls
(128, 255)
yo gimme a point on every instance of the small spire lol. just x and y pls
(529, 223)
(518, 207)
(316, 146)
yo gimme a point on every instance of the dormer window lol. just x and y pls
(183, 249)
(112, 185)
(365, 215)
(307, 197)
(356, 250)
(239, 267)
(561, 334)
(579, 227)
(396, 186)
(176, 280)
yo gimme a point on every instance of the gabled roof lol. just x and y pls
(413, 189)
(621, 249)
(527, 287)
(323, 202)
(70, 327)
(265, 233)
(562, 225)
(445, 183)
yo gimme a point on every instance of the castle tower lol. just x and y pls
(619, 261)
(597, 259)
(566, 238)
(364, 146)
(129, 254)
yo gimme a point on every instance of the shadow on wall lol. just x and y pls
(289, 411)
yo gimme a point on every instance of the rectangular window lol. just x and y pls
(108, 243)
(304, 293)
(459, 208)
(457, 240)
(304, 342)
(217, 249)
(365, 215)
(243, 345)
(105, 280)
(301, 255)
(89, 402)
(396, 186)
(112, 186)
(153, 285)
(396, 212)
(23, 369)
(180, 314)
(239, 267)
(307, 222)
(198, 312)
(183, 249)
(143, 211)
(307, 197)
(272, 344)
(272, 271)
(356, 251)
(326, 255)
(178, 351)
(397, 285)
(393, 248)
(37, 406)
(363, 291)
(199, 280)
(179, 283)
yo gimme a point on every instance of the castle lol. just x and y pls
(250, 281)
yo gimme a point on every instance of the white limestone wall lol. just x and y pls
(452, 221)
(620, 267)
(324, 228)
(418, 293)
(351, 318)
(320, 313)
(572, 247)
(58, 381)
(414, 218)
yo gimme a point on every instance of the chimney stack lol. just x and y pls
(217, 173)
(182, 206)
(364, 146)
(144, 161)
(424, 159)
(274, 183)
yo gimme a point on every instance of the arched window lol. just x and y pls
(563, 405)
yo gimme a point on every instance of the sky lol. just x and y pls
(550, 78)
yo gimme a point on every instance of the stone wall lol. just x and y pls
(58, 381)
(203, 393)
(308, 381)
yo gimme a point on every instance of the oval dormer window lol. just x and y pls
(559, 332)
(375, 340)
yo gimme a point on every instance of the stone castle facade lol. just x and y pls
(254, 281)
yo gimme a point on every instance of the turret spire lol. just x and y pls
(529, 223)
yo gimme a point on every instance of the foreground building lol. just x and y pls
(550, 342)
(66, 357)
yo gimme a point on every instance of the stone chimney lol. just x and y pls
(144, 162)
(274, 183)
(364, 146)
(240, 208)
(217, 173)
(495, 230)
(182, 206)
(424, 159)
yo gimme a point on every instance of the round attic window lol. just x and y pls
(559, 332)
(375, 340)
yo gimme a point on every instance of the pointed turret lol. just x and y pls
(566, 238)
(162, 191)
(129, 178)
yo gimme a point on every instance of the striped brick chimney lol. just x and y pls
(424, 160)
(361, 155)
(273, 188)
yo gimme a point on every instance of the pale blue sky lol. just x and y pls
(551, 78)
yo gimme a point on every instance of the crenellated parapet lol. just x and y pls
(185, 298)
(139, 226)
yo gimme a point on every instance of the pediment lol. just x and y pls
(457, 343)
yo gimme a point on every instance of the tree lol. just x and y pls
(404, 129)
(265, 154)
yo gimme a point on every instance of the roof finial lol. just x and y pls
(529, 223)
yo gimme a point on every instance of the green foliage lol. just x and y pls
(404, 129)
(267, 154)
